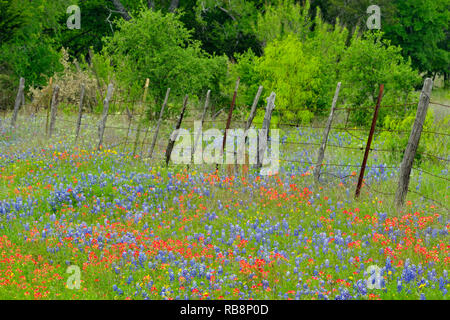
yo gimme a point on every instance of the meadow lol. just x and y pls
(139, 229)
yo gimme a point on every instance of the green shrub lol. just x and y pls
(157, 46)
(368, 62)
(396, 139)
(299, 62)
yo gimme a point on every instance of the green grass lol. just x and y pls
(275, 200)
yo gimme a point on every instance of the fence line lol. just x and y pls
(138, 128)
(440, 104)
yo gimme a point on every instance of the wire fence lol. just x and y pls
(134, 131)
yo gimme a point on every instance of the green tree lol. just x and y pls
(225, 26)
(420, 27)
(27, 49)
(283, 18)
(299, 62)
(157, 46)
(11, 19)
(368, 62)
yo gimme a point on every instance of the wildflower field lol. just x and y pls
(140, 230)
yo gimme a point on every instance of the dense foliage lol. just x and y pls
(299, 49)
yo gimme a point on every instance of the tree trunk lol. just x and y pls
(123, 12)
(174, 5)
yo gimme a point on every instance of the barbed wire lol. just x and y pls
(373, 106)
(430, 199)
(440, 104)
(431, 174)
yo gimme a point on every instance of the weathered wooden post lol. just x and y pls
(138, 132)
(248, 123)
(215, 115)
(19, 101)
(413, 143)
(263, 135)
(155, 136)
(54, 108)
(198, 134)
(325, 135)
(174, 135)
(102, 125)
(50, 84)
(369, 142)
(130, 121)
(230, 114)
(253, 109)
(80, 112)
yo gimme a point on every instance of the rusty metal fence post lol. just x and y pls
(174, 135)
(369, 142)
(230, 114)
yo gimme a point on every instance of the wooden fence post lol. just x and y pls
(155, 136)
(101, 128)
(54, 108)
(49, 103)
(325, 135)
(138, 132)
(130, 120)
(173, 137)
(215, 115)
(19, 101)
(248, 123)
(252, 114)
(80, 112)
(230, 114)
(263, 135)
(197, 137)
(369, 142)
(413, 143)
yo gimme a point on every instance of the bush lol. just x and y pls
(299, 62)
(157, 46)
(397, 141)
(299, 75)
(368, 62)
(69, 80)
(8, 87)
(245, 68)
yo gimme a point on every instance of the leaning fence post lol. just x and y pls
(198, 134)
(155, 136)
(369, 142)
(325, 135)
(54, 107)
(205, 108)
(80, 113)
(101, 128)
(138, 132)
(263, 135)
(413, 142)
(50, 85)
(230, 114)
(19, 101)
(248, 123)
(174, 135)
(130, 120)
(253, 109)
